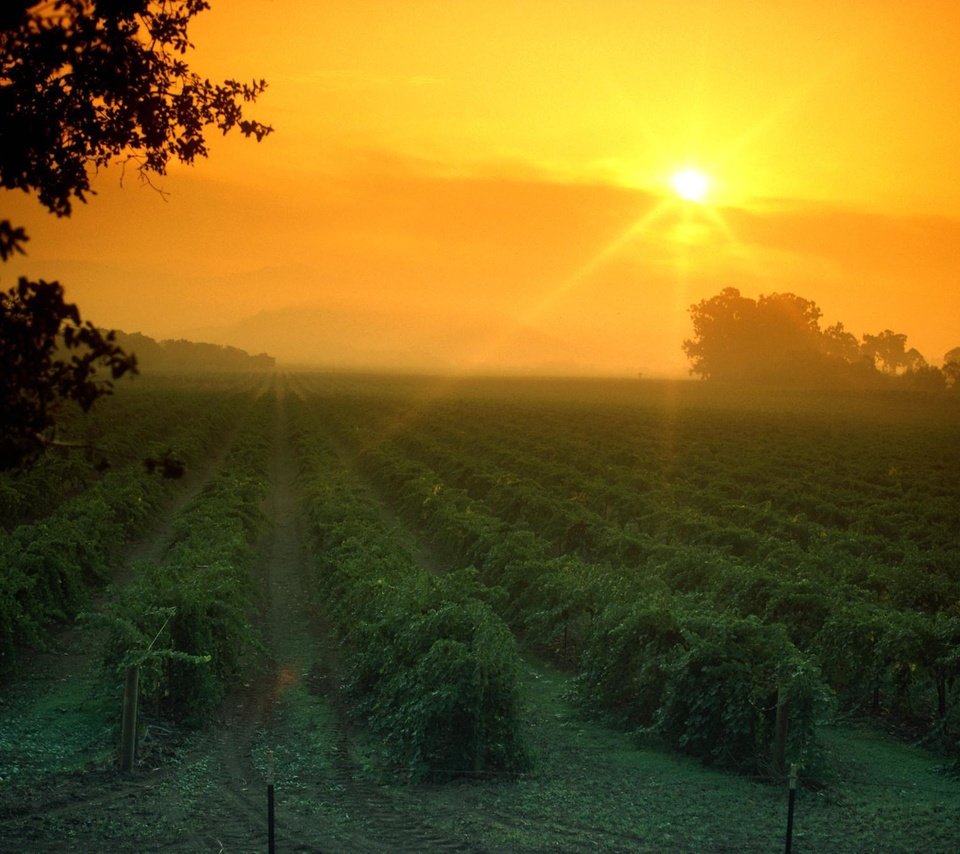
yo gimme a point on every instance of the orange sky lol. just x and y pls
(485, 185)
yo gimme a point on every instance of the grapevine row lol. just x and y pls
(424, 658)
(184, 619)
(861, 646)
(49, 568)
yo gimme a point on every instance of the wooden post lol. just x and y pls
(271, 827)
(790, 803)
(780, 734)
(128, 725)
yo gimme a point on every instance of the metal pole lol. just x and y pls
(128, 724)
(793, 795)
(780, 733)
(271, 845)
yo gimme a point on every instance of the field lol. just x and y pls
(485, 615)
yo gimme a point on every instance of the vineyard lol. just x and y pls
(516, 615)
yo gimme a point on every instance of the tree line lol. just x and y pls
(778, 338)
(179, 355)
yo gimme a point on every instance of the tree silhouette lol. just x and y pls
(85, 83)
(36, 326)
(840, 344)
(888, 351)
(719, 348)
(736, 337)
(777, 338)
(951, 368)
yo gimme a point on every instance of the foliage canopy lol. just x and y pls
(85, 83)
(778, 338)
(37, 327)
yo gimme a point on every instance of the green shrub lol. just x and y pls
(704, 683)
(425, 659)
(184, 619)
(722, 687)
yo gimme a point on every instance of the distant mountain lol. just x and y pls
(356, 337)
(180, 355)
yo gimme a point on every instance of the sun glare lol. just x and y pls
(691, 185)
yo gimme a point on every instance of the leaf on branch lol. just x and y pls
(101, 80)
(47, 357)
(11, 240)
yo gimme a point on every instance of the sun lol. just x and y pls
(691, 185)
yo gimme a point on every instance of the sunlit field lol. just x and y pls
(485, 614)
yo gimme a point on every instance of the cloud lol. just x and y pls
(418, 248)
(870, 270)
(855, 241)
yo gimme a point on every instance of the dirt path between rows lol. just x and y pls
(287, 716)
(234, 815)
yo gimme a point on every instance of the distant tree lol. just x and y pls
(777, 338)
(736, 337)
(840, 344)
(888, 351)
(85, 83)
(180, 356)
(951, 368)
(719, 346)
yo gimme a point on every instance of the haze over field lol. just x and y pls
(487, 186)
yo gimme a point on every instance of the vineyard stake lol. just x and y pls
(780, 733)
(271, 844)
(128, 725)
(790, 802)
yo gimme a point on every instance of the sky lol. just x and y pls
(486, 186)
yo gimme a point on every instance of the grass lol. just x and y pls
(63, 724)
(592, 788)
